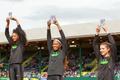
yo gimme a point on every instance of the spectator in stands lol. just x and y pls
(105, 53)
(57, 50)
(17, 42)
(34, 64)
(44, 76)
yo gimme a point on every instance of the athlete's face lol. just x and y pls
(15, 37)
(104, 50)
(56, 45)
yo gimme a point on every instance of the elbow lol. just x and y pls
(6, 33)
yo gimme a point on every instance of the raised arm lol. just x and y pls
(20, 31)
(96, 46)
(49, 40)
(96, 43)
(63, 39)
(114, 48)
(7, 31)
(22, 35)
(113, 44)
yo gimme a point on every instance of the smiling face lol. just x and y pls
(56, 44)
(104, 50)
(15, 37)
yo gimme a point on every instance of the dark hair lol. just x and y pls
(16, 31)
(107, 44)
(21, 34)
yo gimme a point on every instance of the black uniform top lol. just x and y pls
(106, 64)
(16, 47)
(56, 59)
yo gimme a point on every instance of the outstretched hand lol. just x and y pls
(13, 18)
(97, 29)
(49, 24)
(56, 22)
(8, 22)
(105, 28)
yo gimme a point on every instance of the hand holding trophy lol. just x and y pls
(103, 25)
(54, 21)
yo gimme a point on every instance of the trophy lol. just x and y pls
(10, 15)
(102, 22)
(53, 19)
